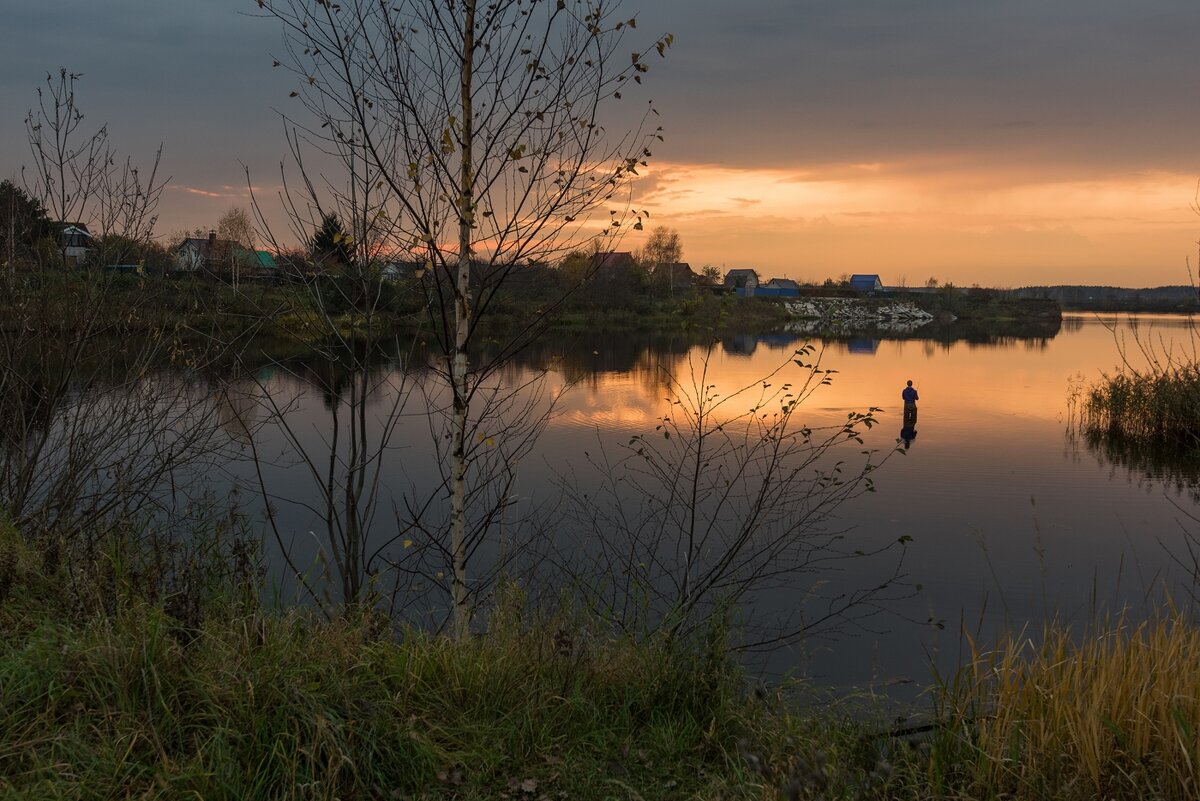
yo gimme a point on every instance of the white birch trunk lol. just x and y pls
(462, 322)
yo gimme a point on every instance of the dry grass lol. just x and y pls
(129, 699)
(1112, 713)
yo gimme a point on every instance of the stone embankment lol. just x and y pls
(853, 314)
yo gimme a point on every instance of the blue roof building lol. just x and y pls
(866, 283)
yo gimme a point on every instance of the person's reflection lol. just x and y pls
(909, 432)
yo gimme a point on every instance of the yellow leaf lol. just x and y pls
(408, 543)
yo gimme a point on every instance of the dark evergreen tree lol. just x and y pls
(331, 244)
(23, 222)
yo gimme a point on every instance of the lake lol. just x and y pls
(1012, 519)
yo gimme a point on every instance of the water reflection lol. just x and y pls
(1145, 467)
(991, 443)
(863, 346)
(909, 432)
(996, 442)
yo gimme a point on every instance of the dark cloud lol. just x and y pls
(1075, 86)
(194, 76)
(1075, 81)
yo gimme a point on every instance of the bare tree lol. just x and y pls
(483, 123)
(731, 495)
(337, 309)
(662, 247)
(80, 179)
(104, 418)
(237, 226)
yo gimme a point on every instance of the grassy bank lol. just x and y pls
(198, 307)
(107, 694)
(989, 306)
(124, 697)
(263, 706)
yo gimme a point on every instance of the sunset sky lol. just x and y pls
(978, 141)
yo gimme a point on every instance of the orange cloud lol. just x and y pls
(191, 190)
(936, 217)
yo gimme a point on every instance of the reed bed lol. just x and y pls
(1157, 409)
(1114, 713)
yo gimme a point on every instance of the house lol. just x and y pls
(402, 270)
(782, 283)
(677, 275)
(219, 257)
(866, 283)
(75, 241)
(742, 280)
(614, 279)
(778, 288)
(265, 265)
(612, 260)
(618, 266)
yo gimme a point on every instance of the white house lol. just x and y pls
(75, 241)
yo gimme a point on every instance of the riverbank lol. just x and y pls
(978, 316)
(109, 693)
(198, 308)
(204, 311)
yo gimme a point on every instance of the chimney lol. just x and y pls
(212, 237)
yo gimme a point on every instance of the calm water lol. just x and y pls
(1011, 519)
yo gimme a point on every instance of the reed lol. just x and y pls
(1111, 713)
(1158, 409)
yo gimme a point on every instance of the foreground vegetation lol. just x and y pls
(111, 690)
(1113, 713)
(1155, 410)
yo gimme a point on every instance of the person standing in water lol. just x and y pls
(909, 432)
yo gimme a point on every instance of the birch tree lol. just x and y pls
(482, 122)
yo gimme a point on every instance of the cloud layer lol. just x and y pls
(985, 142)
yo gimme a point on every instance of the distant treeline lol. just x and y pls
(1112, 298)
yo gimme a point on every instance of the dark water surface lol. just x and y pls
(1012, 519)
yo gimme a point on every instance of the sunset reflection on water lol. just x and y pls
(1012, 519)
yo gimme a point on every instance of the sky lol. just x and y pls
(994, 142)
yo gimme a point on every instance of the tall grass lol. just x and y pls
(137, 696)
(1158, 409)
(1111, 713)
(129, 699)
(283, 707)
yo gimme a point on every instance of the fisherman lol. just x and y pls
(909, 432)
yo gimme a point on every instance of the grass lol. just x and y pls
(1111, 713)
(280, 707)
(1158, 409)
(122, 697)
